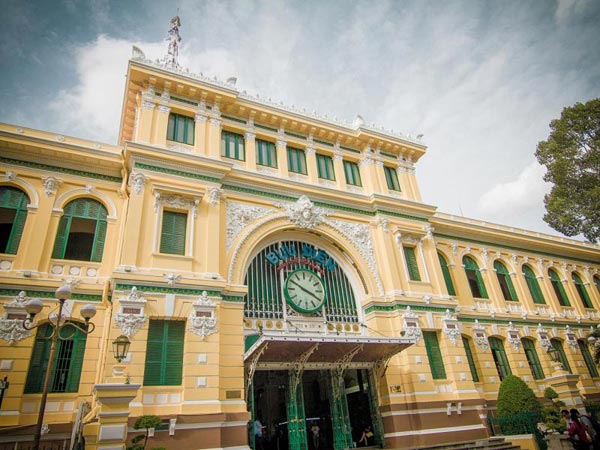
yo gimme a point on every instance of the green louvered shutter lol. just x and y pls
(506, 284)
(154, 353)
(582, 291)
(99, 239)
(411, 263)
(597, 283)
(473, 274)
(587, 356)
(172, 239)
(559, 290)
(562, 357)
(470, 359)
(173, 363)
(500, 357)
(447, 276)
(436, 362)
(533, 285)
(38, 361)
(76, 363)
(60, 243)
(16, 232)
(532, 359)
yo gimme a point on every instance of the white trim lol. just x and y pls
(26, 186)
(214, 402)
(435, 430)
(409, 412)
(203, 425)
(9, 413)
(62, 198)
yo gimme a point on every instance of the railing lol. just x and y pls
(525, 423)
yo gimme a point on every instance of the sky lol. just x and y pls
(480, 79)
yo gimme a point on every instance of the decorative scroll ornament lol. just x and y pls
(171, 278)
(173, 201)
(304, 213)
(213, 196)
(571, 338)
(50, 185)
(203, 321)
(543, 338)
(131, 316)
(479, 336)
(174, 39)
(451, 328)
(412, 328)
(513, 337)
(11, 325)
(239, 215)
(137, 181)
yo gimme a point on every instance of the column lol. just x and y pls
(135, 209)
(412, 179)
(282, 162)
(311, 164)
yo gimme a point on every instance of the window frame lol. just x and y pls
(411, 262)
(229, 138)
(188, 124)
(588, 358)
(558, 288)
(266, 150)
(562, 356)
(533, 360)
(327, 165)
(504, 280)
(63, 232)
(391, 178)
(533, 285)
(471, 266)
(20, 218)
(296, 158)
(500, 357)
(178, 202)
(446, 274)
(352, 173)
(173, 234)
(581, 291)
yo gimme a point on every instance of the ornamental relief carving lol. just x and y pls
(203, 321)
(131, 316)
(239, 216)
(303, 213)
(11, 325)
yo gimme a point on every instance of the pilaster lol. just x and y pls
(250, 147)
(338, 167)
(311, 164)
(159, 136)
(135, 210)
(145, 116)
(282, 162)
(200, 125)
(213, 135)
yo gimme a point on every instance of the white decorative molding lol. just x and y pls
(50, 185)
(131, 317)
(359, 235)
(203, 321)
(173, 201)
(513, 337)
(11, 324)
(137, 181)
(543, 338)
(451, 327)
(480, 337)
(213, 196)
(240, 215)
(31, 191)
(303, 213)
(89, 189)
(171, 278)
(571, 338)
(412, 329)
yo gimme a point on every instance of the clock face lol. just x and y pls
(304, 291)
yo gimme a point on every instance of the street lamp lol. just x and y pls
(121, 347)
(57, 323)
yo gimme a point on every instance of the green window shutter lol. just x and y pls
(411, 263)
(474, 278)
(436, 362)
(180, 129)
(506, 284)
(60, 243)
(582, 291)
(76, 361)
(446, 274)
(562, 357)
(191, 129)
(558, 288)
(533, 285)
(587, 356)
(99, 239)
(597, 283)
(500, 358)
(325, 167)
(470, 359)
(172, 237)
(16, 232)
(296, 160)
(164, 353)
(391, 178)
(232, 145)
(532, 359)
(39, 361)
(352, 173)
(173, 361)
(266, 153)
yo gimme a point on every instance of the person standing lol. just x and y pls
(258, 435)
(315, 430)
(578, 433)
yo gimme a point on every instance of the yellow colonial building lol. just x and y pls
(267, 264)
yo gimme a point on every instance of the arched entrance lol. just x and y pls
(310, 362)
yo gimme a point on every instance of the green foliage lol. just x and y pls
(514, 397)
(553, 419)
(593, 409)
(144, 422)
(550, 394)
(572, 156)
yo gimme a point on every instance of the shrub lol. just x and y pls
(515, 397)
(143, 422)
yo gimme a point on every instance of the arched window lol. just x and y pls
(587, 357)
(562, 357)
(583, 295)
(597, 282)
(533, 285)
(66, 367)
(559, 290)
(446, 273)
(470, 358)
(81, 231)
(474, 278)
(13, 213)
(499, 354)
(506, 284)
(532, 359)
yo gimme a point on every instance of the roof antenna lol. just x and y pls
(174, 40)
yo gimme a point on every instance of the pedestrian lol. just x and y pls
(577, 433)
(258, 434)
(366, 435)
(315, 430)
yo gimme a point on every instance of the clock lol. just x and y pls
(304, 291)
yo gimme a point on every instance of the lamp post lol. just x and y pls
(33, 307)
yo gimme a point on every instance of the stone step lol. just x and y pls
(480, 444)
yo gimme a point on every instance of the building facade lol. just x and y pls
(267, 263)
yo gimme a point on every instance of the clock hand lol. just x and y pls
(305, 290)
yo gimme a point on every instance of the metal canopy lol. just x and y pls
(278, 348)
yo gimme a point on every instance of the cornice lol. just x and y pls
(65, 170)
(51, 294)
(531, 323)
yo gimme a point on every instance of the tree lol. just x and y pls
(143, 422)
(514, 397)
(572, 156)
